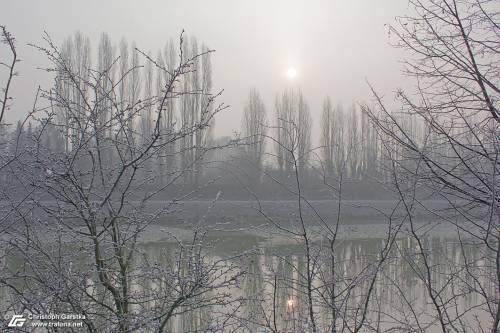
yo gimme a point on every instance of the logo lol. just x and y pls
(17, 321)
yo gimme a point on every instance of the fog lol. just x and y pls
(335, 46)
(250, 166)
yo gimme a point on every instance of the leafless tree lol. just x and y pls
(205, 137)
(370, 156)
(333, 138)
(353, 142)
(293, 129)
(170, 58)
(75, 53)
(327, 135)
(454, 58)
(192, 109)
(134, 86)
(8, 40)
(78, 233)
(106, 65)
(123, 86)
(312, 291)
(254, 129)
(8, 153)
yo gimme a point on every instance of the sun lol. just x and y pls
(291, 73)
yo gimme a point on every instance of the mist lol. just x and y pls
(336, 46)
(250, 166)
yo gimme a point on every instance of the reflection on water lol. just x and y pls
(276, 279)
(272, 294)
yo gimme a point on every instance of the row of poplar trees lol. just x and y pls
(348, 142)
(138, 79)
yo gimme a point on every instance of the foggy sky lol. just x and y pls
(335, 45)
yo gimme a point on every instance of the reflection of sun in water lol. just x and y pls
(291, 73)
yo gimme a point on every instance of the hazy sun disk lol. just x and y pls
(291, 73)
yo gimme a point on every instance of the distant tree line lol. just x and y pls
(348, 144)
(139, 86)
